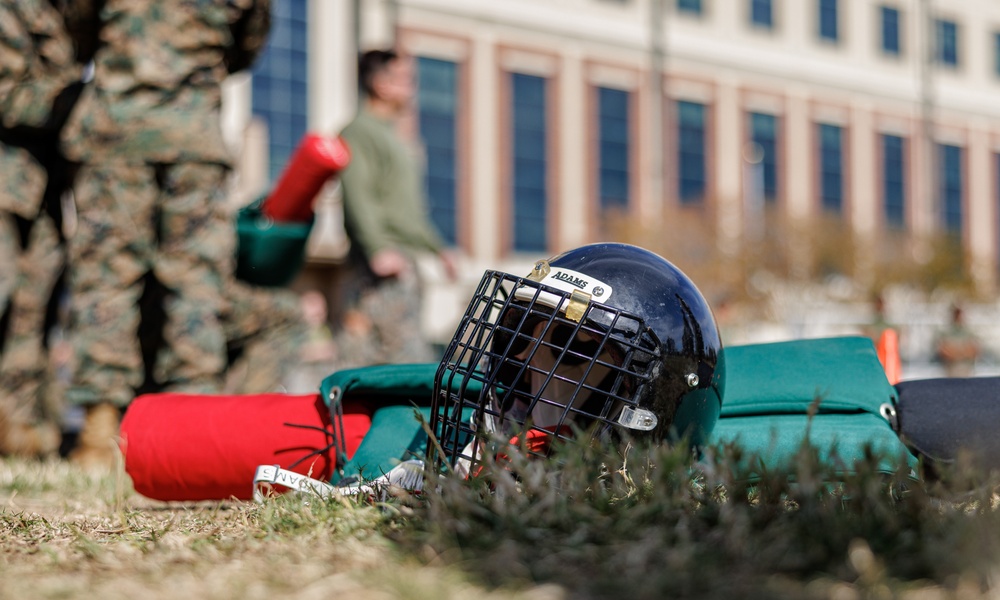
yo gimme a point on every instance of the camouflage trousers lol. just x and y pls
(264, 331)
(381, 324)
(9, 250)
(33, 255)
(133, 220)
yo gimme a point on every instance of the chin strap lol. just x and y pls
(408, 476)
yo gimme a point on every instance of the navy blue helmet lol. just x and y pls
(607, 338)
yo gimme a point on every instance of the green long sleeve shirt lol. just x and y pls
(384, 204)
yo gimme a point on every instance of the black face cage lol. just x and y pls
(480, 391)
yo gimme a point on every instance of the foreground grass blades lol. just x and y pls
(649, 523)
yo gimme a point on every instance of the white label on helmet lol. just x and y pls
(568, 281)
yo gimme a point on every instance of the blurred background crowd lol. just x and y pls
(817, 167)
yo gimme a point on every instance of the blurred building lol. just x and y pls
(538, 116)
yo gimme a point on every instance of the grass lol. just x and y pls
(646, 523)
(650, 526)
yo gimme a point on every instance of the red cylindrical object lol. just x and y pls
(317, 159)
(204, 447)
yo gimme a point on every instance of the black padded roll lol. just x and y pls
(941, 418)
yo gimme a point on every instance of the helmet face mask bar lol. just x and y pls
(538, 358)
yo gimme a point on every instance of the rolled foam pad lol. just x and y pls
(207, 447)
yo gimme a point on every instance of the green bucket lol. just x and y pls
(269, 253)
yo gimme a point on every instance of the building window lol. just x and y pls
(996, 191)
(689, 6)
(828, 20)
(890, 31)
(691, 169)
(996, 54)
(761, 13)
(764, 133)
(613, 146)
(831, 164)
(280, 82)
(530, 163)
(946, 47)
(437, 102)
(950, 186)
(894, 180)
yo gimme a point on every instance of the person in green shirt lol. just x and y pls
(956, 347)
(386, 220)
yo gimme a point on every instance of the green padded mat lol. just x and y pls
(396, 393)
(768, 394)
(771, 387)
(395, 435)
(786, 377)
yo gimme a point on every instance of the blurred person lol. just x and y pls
(264, 329)
(319, 346)
(879, 323)
(151, 199)
(956, 347)
(40, 78)
(318, 351)
(885, 336)
(387, 223)
(729, 319)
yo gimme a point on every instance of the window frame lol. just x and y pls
(828, 203)
(897, 51)
(605, 202)
(944, 55)
(769, 25)
(696, 196)
(952, 209)
(279, 86)
(695, 9)
(996, 53)
(894, 212)
(771, 160)
(824, 7)
(447, 219)
(517, 234)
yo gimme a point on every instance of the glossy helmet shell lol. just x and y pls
(655, 345)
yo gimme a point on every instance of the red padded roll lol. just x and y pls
(202, 447)
(317, 159)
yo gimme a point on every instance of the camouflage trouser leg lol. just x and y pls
(133, 219)
(196, 255)
(8, 260)
(24, 364)
(389, 312)
(265, 330)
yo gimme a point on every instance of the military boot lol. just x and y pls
(30, 441)
(97, 445)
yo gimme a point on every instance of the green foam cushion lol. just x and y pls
(787, 377)
(395, 435)
(841, 439)
(771, 387)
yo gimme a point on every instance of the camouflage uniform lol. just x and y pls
(383, 208)
(150, 191)
(39, 78)
(264, 330)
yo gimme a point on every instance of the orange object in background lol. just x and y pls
(887, 348)
(315, 161)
